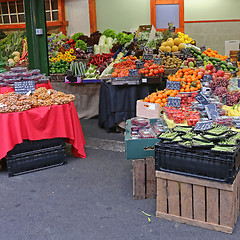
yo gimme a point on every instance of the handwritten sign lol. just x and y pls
(207, 78)
(228, 60)
(139, 64)
(224, 99)
(157, 61)
(168, 54)
(133, 72)
(174, 102)
(174, 85)
(148, 56)
(203, 48)
(212, 111)
(204, 125)
(202, 99)
(90, 49)
(24, 87)
(199, 64)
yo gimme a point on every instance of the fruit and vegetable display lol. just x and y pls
(12, 102)
(171, 62)
(172, 45)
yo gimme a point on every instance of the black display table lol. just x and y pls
(118, 103)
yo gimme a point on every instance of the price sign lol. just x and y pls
(168, 54)
(239, 82)
(139, 64)
(204, 125)
(175, 85)
(148, 56)
(207, 78)
(199, 64)
(234, 74)
(217, 67)
(203, 48)
(133, 72)
(133, 53)
(157, 61)
(202, 99)
(224, 99)
(90, 49)
(234, 63)
(174, 102)
(135, 40)
(172, 29)
(228, 60)
(69, 72)
(24, 87)
(212, 111)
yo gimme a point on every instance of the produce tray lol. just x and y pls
(28, 145)
(36, 160)
(60, 77)
(200, 163)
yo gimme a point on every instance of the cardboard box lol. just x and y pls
(148, 110)
(139, 148)
(144, 28)
(231, 45)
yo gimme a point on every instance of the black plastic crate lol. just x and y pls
(201, 163)
(36, 160)
(28, 145)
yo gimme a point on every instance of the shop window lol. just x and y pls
(13, 16)
(166, 11)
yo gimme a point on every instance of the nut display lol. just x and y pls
(171, 62)
(12, 102)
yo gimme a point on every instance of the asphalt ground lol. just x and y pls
(87, 199)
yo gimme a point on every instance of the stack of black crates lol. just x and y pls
(36, 155)
(201, 163)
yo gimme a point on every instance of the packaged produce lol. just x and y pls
(139, 121)
(19, 69)
(224, 120)
(147, 133)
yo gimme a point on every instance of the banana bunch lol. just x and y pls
(233, 111)
(185, 38)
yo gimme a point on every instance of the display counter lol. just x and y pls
(56, 121)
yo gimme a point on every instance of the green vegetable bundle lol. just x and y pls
(81, 44)
(75, 36)
(109, 33)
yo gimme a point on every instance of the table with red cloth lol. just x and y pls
(56, 121)
(8, 89)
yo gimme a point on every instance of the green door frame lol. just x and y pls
(36, 35)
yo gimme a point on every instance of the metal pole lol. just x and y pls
(36, 34)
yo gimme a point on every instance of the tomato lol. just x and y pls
(114, 74)
(155, 72)
(161, 70)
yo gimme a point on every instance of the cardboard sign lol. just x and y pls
(147, 56)
(133, 72)
(24, 87)
(202, 99)
(174, 102)
(139, 64)
(212, 111)
(90, 49)
(204, 125)
(174, 85)
(207, 78)
(157, 61)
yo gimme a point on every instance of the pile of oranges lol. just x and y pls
(210, 53)
(190, 82)
(161, 96)
(189, 78)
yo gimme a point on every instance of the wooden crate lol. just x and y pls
(198, 202)
(144, 181)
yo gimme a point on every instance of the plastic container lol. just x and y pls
(200, 163)
(21, 160)
(140, 121)
(35, 71)
(27, 74)
(11, 75)
(147, 133)
(19, 69)
(224, 120)
(2, 84)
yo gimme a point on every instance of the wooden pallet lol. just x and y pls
(144, 181)
(202, 203)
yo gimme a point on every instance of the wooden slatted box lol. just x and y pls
(198, 202)
(144, 181)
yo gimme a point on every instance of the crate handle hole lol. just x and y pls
(149, 148)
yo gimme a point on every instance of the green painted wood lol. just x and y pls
(37, 44)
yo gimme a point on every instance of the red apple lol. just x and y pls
(209, 66)
(220, 73)
(202, 70)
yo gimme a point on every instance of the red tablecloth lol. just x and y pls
(8, 89)
(57, 121)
